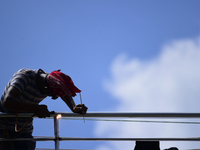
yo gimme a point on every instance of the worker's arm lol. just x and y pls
(80, 108)
(12, 103)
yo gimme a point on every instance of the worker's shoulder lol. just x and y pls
(27, 71)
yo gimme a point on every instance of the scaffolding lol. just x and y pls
(56, 138)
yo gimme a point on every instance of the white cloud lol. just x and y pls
(168, 83)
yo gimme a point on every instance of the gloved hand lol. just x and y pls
(42, 111)
(80, 108)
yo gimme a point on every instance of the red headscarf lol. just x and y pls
(61, 84)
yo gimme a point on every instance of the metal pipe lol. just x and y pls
(133, 115)
(29, 139)
(100, 139)
(129, 139)
(114, 115)
(104, 115)
(56, 133)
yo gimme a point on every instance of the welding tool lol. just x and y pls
(81, 103)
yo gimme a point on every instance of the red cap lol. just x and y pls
(61, 84)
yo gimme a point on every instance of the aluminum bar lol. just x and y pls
(129, 139)
(29, 139)
(134, 115)
(56, 133)
(101, 139)
(114, 115)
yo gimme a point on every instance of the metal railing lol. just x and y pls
(57, 138)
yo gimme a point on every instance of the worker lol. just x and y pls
(147, 145)
(150, 145)
(23, 93)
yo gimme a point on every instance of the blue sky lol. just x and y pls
(100, 44)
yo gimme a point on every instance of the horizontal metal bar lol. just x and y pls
(100, 139)
(28, 139)
(130, 139)
(14, 115)
(134, 115)
(114, 115)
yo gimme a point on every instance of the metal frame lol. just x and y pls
(57, 138)
(114, 115)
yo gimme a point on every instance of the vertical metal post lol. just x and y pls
(56, 133)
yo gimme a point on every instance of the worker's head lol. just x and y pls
(61, 84)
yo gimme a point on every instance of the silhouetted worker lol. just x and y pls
(150, 145)
(23, 93)
(172, 148)
(147, 145)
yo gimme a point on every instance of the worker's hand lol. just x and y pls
(42, 111)
(80, 108)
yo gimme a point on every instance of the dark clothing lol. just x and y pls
(25, 81)
(17, 145)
